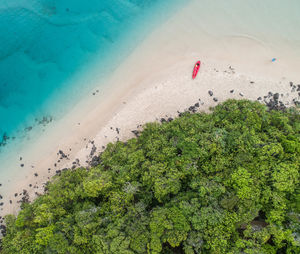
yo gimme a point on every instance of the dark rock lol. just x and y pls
(93, 150)
(1, 197)
(270, 94)
(55, 164)
(135, 132)
(251, 82)
(231, 91)
(21, 158)
(170, 119)
(118, 130)
(259, 98)
(10, 201)
(16, 194)
(58, 172)
(215, 99)
(30, 185)
(241, 94)
(35, 174)
(191, 108)
(162, 120)
(22, 165)
(197, 104)
(291, 83)
(1, 204)
(95, 161)
(276, 96)
(62, 154)
(28, 128)
(210, 93)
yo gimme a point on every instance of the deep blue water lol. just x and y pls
(46, 44)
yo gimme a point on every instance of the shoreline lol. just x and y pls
(123, 120)
(155, 83)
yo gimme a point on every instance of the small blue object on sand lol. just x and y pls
(273, 59)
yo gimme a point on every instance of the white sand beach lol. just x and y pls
(155, 82)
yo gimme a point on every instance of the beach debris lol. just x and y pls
(273, 59)
(241, 94)
(210, 93)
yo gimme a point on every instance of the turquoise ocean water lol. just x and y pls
(46, 44)
(53, 51)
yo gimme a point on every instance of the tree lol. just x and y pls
(223, 182)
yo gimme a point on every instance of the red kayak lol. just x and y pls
(196, 69)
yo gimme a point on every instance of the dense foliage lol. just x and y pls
(224, 182)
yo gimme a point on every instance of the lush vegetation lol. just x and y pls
(224, 182)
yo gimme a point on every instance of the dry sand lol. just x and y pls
(153, 83)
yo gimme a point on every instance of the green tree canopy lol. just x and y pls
(223, 182)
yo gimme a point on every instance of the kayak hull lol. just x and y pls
(196, 69)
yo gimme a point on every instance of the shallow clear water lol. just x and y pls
(46, 44)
